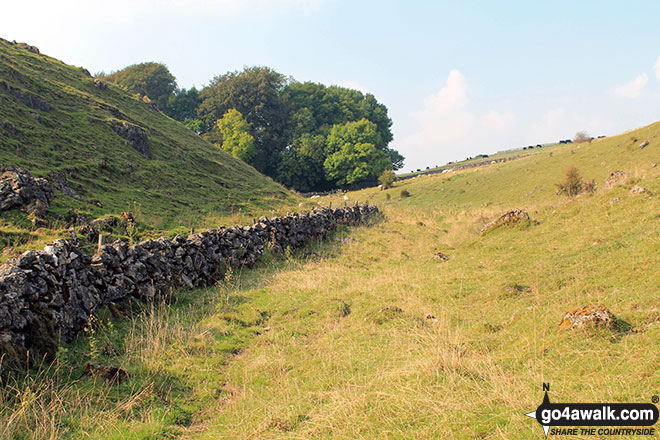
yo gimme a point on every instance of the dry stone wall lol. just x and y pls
(48, 296)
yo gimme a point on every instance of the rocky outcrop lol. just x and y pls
(616, 178)
(29, 48)
(28, 99)
(509, 217)
(638, 190)
(100, 84)
(593, 315)
(8, 127)
(18, 189)
(48, 296)
(60, 183)
(133, 134)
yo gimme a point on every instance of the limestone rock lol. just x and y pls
(28, 99)
(594, 315)
(135, 135)
(637, 190)
(18, 189)
(100, 84)
(29, 48)
(60, 183)
(440, 256)
(8, 127)
(508, 218)
(616, 178)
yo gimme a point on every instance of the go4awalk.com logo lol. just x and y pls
(599, 419)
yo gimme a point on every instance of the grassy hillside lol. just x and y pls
(187, 181)
(377, 339)
(508, 155)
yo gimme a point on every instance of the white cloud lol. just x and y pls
(656, 67)
(447, 130)
(632, 89)
(452, 97)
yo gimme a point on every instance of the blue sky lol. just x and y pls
(459, 78)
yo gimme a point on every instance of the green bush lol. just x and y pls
(387, 179)
(404, 193)
(574, 185)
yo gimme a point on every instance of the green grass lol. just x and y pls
(377, 339)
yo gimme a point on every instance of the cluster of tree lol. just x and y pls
(305, 135)
(153, 80)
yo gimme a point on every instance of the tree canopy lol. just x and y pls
(256, 93)
(236, 137)
(182, 104)
(151, 79)
(353, 157)
(315, 110)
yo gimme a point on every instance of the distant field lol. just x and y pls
(375, 338)
(508, 154)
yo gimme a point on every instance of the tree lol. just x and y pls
(387, 179)
(352, 156)
(301, 166)
(151, 79)
(314, 110)
(236, 137)
(256, 93)
(395, 158)
(195, 125)
(322, 107)
(182, 104)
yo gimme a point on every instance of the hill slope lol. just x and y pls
(116, 149)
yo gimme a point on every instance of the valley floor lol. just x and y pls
(375, 338)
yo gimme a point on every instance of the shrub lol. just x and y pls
(574, 185)
(589, 187)
(404, 193)
(581, 136)
(387, 179)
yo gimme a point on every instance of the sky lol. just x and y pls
(458, 78)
